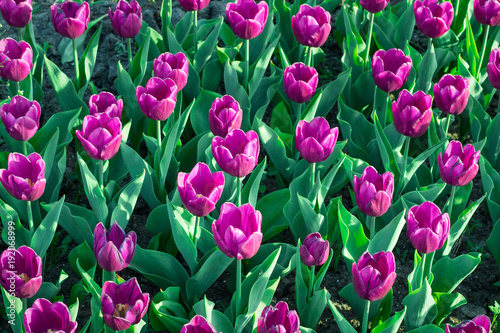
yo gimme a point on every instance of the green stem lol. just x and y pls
(238, 189)
(196, 226)
(108, 276)
(448, 122)
(313, 167)
(25, 307)
(298, 112)
(17, 88)
(158, 133)
(25, 148)
(309, 58)
(483, 51)
(30, 218)
(369, 40)
(371, 220)
(311, 283)
(422, 277)
(401, 184)
(130, 60)
(195, 32)
(75, 53)
(101, 173)
(20, 34)
(179, 109)
(238, 287)
(451, 199)
(429, 44)
(384, 111)
(366, 313)
(247, 62)
(498, 106)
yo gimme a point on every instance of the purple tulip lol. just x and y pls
(193, 5)
(451, 94)
(373, 6)
(237, 153)
(224, 115)
(105, 102)
(237, 231)
(278, 319)
(315, 140)
(100, 136)
(300, 81)
(390, 69)
(21, 117)
(315, 250)
(493, 68)
(16, 13)
(123, 304)
(247, 18)
(157, 100)
(21, 271)
(172, 66)
(487, 12)
(412, 114)
(427, 228)
(433, 19)
(24, 177)
(113, 249)
(480, 324)
(16, 59)
(200, 189)
(45, 316)
(458, 166)
(69, 18)
(126, 19)
(198, 324)
(373, 192)
(311, 25)
(373, 276)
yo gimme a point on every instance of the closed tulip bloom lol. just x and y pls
(100, 136)
(493, 68)
(373, 276)
(412, 114)
(480, 324)
(300, 82)
(105, 102)
(451, 94)
(373, 191)
(390, 69)
(192, 5)
(157, 100)
(198, 324)
(237, 153)
(172, 66)
(69, 18)
(247, 18)
(45, 316)
(458, 166)
(311, 25)
(278, 319)
(433, 19)
(373, 6)
(126, 19)
(315, 140)
(224, 115)
(123, 304)
(24, 177)
(315, 250)
(16, 13)
(16, 59)
(21, 117)
(237, 232)
(200, 189)
(427, 228)
(21, 271)
(113, 249)
(487, 12)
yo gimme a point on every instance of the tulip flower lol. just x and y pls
(157, 100)
(373, 6)
(300, 82)
(373, 276)
(315, 250)
(247, 18)
(113, 249)
(315, 140)
(412, 114)
(224, 115)
(193, 5)
(21, 117)
(390, 69)
(24, 177)
(480, 324)
(487, 12)
(21, 271)
(16, 13)
(16, 59)
(427, 228)
(493, 68)
(105, 102)
(126, 19)
(123, 304)
(278, 319)
(311, 25)
(69, 18)
(451, 94)
(433, 19)
(458, 165)
(100, 136)
(45, 316)
(373, 191)
(198, 324)
(172, 66)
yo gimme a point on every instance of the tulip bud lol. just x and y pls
(390, 69)
(105, 102)
(157, 100)
(100, 136)
(300, 81)
(278, 319)
(21, 271)
(123, 304)
(427, 228)
(315, 140)
(412, 114)
(311, 25)
(24, 177)
(172, 66)
(193, 5)
(45, 316)
(113, 250)
(16, 59)
(480, 324)
(198, 324)
(224, 115)
(487, 12)
(247, 18)
(315, 250)
(373, 276)
(458, 166)
(69, 18)
(373, 191)
(237, 232)
(373, 6)
(433, 19)
(21, 117)
(16, 13)
(451, 94)
(493, 68)
(126, 19)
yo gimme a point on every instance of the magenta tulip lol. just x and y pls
(45, 316)
(16, 13)
(247, 18)
(458, 166)
(157, 100)
(24, 177)
(100, 136)
(300, 82)
(315, 140)
(433, 19)
(198, 324)
(412, 114)
(21, 271)
(480, 324)
(105, 102)
(315, 250)
(21, 117)
(427, 228)
(373, 6)
(172, 66)
(373, 276)
(373, 191)
(16, 59)
(126, 19)
(69, 18)
(224, 115)
(493, 68)
(451, 94)
(278, 319)
(113, 250)
(311, 26)
(390, 69)
(192, 5)
(487, 12)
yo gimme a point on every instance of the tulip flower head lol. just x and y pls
(315, 250)
(113, 249)
(390, 69)
(311, 26)
(412, 114)
(45, 316)
(493, 68)
(16, 13)
(105, 102)
(224, 115)
(300, 82)
(373, 191)
(24, 177)
(373, 276)
(451, 94)
(123, 304)
(427, 228)
(315, 140)
(157, 100)
(192, 5)
(126, 19)
(21, 117)
(198, 324)
(373, 6)
(16, 59)
(480, 324)
(69, 18)
(278, 319)
(247, 18)
(172, 66)
(487, 12)
(21, 271)
(100, 136)
(458, 165)
(433, 19)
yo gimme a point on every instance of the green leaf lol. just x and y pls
(251, 189)
(353, 236)
(390, 163)
(311, 314)
(426, 69)
(207, 48)
(449, 273)
(427, 329)
(271, 206)
(87, 62)
(46, 230)
(220, 322)
(421, 307)
(342, 323)
(234, 89)
(260, 67)
(386, 239)
(184, 27)
(331, 92)
(491, 185)
(78, 227)
(446, 303)
(140, 61)
(93, 287)
(404, 27)
(493, 243)
(392, 324)
(93, 191)
(126, 201)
